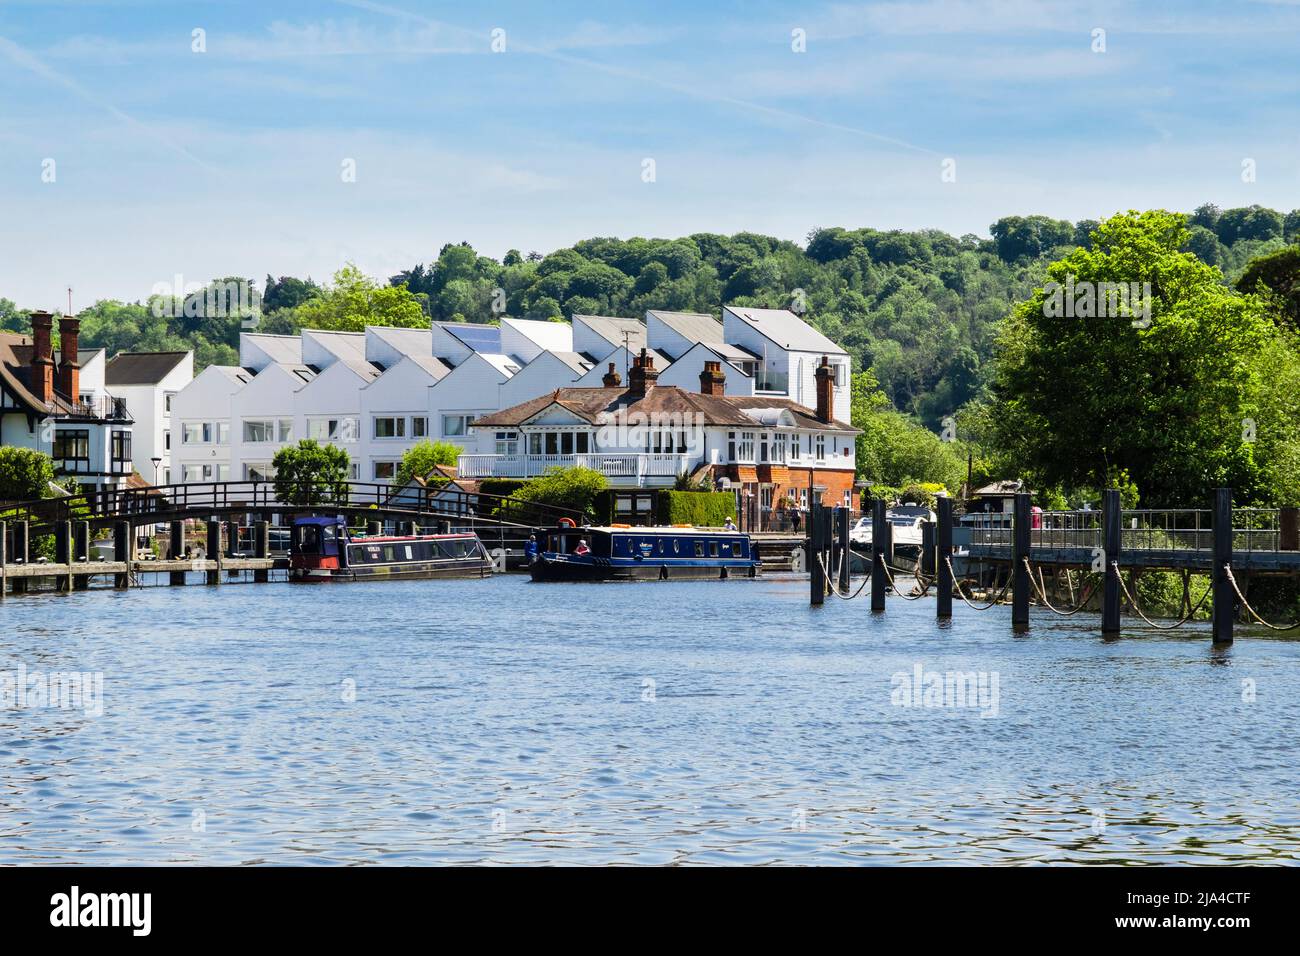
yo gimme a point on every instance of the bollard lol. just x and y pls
(944, 597)
(212, 553)
(63, 552)
(813, 551)
(122, 553)
(20, 553)
(81, 554)
(1020, 573)
(846, 552)
(1111, 519)
(262, 549)
(176, 550)
(1224, 600)
(879, 550)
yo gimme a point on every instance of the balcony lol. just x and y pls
(105, 408)
(623, 470)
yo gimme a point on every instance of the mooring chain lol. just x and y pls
(1227, 569)
(1159, 627)
(1042, 595)
(961, 594)
(915, 596)
(830, 580)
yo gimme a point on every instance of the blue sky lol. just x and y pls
(228, 162)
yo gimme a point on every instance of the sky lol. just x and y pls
(143, 140)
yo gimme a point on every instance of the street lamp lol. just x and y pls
(156, 463)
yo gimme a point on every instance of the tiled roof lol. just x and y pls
(141, 368)
(613, 405)
(694, 326)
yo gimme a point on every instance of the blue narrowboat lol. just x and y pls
(620, 552)
(322, 549)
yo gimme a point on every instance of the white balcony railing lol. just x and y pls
(630, 467)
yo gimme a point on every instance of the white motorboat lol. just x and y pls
(904, 522)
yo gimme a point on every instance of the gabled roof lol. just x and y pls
(694, 326)
(141, 368)
(612, 329)
(613, 405)
(410, 342)
(283, 349)
(430, 363)
(13, 372)
(784, 328)
(580, 363)
(237, 375)
(474, 336)
(343, 345)
(507, 365)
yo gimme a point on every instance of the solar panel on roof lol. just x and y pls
(480, 338)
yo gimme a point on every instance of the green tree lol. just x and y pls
(355, 300)
(310, 473)
(421, 458)
(25, 474)
(572, 488)
(1080, 401)
(1278, 276)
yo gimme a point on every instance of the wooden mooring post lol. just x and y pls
(880, 540)
(261, 549)
(63, 552)
(176, 551)
(1224, 599)
(81, 555)
(4, 555)
(846, 553)
(1019, 572)
(122, 541)
(213, 553)
(943, 598)
(813, 553)
(1111, 522)
(20, 553)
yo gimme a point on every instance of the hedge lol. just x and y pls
(703, 508)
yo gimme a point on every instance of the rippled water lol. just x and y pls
(508, 722)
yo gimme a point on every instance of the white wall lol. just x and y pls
(401, 392)
(208, 398)
(528, 338)
(543, 374)
(685, 372)
(270, 395)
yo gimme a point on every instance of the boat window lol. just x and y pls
(699, 549)
(713, 549)
(677, 546)
(409, 555)
(309, 539)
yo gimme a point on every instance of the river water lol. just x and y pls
(501, 721)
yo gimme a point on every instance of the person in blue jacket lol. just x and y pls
(530, 549)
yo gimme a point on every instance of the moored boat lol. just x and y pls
(322, 549)
(615, 552)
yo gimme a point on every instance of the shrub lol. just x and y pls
(574, 489)
(702, 508)
(421, 458)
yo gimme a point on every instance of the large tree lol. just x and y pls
(310, 473)
(1086, 401)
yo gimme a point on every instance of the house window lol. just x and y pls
(731, 446)
(746, 446)
(535, 443)
(795, 453)
(223, 433)
(762, 447)
(821, 447)
(390, 427)
(121, 447)
(259, 430)
(167, 439)
(507, 443)
(195, 433)
(167, 402)
(385, 470)
(778, 447)
(259, 471)
(286, 429)
(167, 476)
(581, 443)
(456, 426)
(354, 470)
(72, 444)
(419, 426)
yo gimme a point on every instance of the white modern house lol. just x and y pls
(148, 383)
(377, 393)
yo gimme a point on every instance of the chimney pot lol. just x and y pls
(42, 373)
(825, 376)
(642, 376)
(712, 380)
(612, 379)
(69, 367)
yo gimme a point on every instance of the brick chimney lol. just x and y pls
(712, 379)
(612, 379)
(642, 377)
(825, 391)
(42, 377)
(69, 367)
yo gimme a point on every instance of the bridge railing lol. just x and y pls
(200, 499)
(1166, 529)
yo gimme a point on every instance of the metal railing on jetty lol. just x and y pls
(1228, 544)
